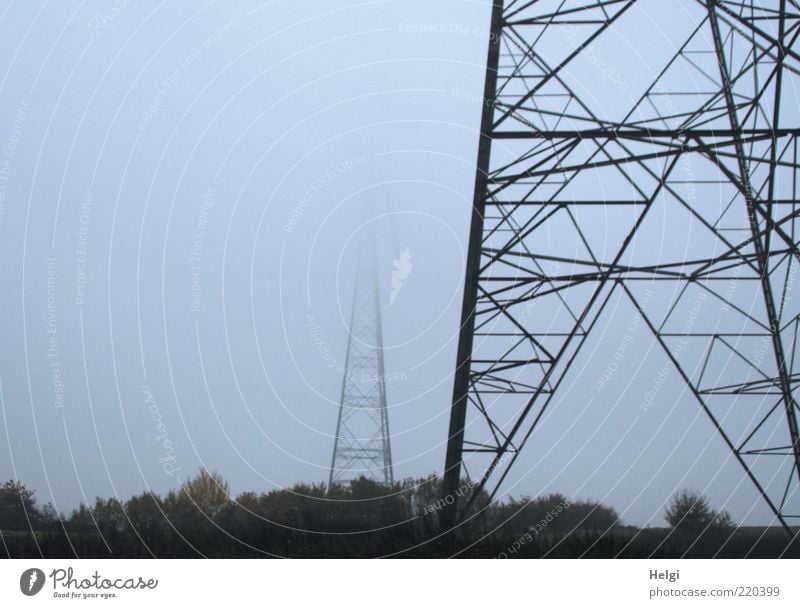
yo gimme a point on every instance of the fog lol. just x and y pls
(183, 199)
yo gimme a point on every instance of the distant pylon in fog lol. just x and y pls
(362, 446)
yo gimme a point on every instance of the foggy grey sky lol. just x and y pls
(242, 149)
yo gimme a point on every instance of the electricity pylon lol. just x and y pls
(678, 184)
(362, 446)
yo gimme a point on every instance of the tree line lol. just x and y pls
(360, 519)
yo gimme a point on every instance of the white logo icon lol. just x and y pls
(31, 581)
(402, 268)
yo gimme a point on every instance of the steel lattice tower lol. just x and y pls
(684, 186)
(362, 446)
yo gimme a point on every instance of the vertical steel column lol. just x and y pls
(458, 411)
